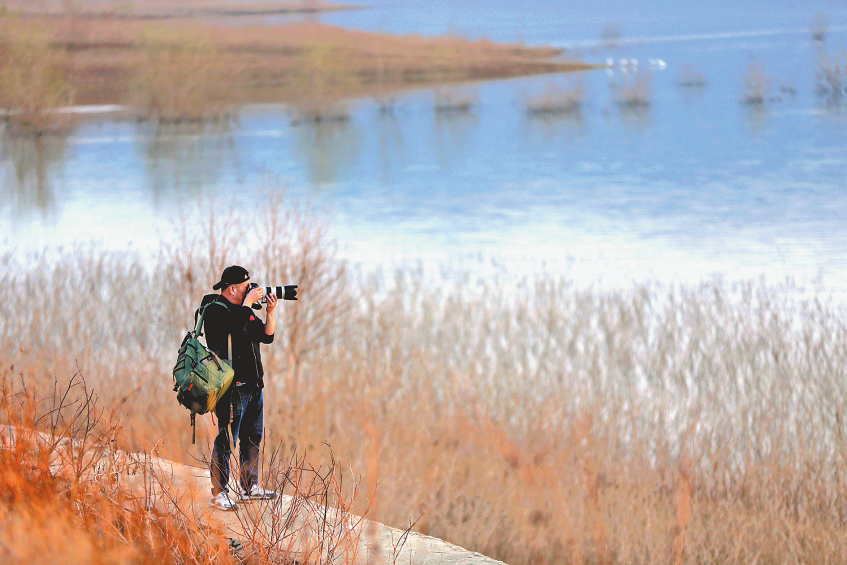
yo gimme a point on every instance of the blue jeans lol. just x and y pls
(244, 403)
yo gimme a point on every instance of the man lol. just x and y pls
(239, 411)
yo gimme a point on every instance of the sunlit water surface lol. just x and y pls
(691, 184)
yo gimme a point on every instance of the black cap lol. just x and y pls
(232, 275)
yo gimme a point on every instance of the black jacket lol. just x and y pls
(223, 319)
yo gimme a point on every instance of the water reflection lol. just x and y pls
(756, 117)
(391, 147)
(327, 145)
(27, 160)
(542, 128)
(636, 118)
(834, 106)
(691, 84)
(184, 157)
(452, 134)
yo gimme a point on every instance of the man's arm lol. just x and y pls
(270, 321)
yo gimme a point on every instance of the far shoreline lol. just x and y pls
(188, 62)
(167, 9)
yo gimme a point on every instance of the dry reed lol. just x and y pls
(548, 424)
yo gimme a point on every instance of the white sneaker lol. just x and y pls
(222, 501)
(257, 493)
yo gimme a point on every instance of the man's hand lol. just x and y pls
(253, 296)
(270, 320)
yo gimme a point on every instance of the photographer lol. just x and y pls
(239, 411)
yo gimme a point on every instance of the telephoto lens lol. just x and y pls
(287, 292)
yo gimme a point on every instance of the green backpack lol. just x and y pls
(200, 376)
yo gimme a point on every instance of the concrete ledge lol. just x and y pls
(302, 529)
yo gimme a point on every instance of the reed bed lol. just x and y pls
(527, 418)
(189, 61)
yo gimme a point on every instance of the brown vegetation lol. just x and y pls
(70, 495)
(546, 424)
(196, 66)
(167, 9)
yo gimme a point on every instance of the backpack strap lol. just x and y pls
(201, 311)
(198, 321)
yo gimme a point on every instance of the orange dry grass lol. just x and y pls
(61, 502)
(69, 495)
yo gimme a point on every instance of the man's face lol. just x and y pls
(241, 290)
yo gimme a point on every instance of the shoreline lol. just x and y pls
(196, 67)
(166, 10)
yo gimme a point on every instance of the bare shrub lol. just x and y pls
(831, 75)
(819, 27)
(756, 85)
(556, 98)
(636, 91)
(691, 78)
(455, 99)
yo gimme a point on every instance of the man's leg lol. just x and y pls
(221, 448)
(250, 438)
(229, 414)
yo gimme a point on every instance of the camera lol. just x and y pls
(285, 292)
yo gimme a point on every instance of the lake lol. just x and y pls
(687, 183)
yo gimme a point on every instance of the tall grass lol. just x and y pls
(530, 419)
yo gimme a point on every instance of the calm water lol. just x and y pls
(693, 184)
